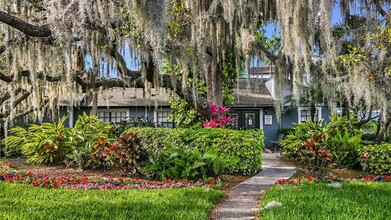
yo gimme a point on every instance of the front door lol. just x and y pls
(245, 119)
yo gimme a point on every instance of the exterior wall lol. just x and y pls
(46, 119)
(270, 130)
(326, 114)
(134, 112)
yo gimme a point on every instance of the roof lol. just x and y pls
(126, 97)
(247, 93)
(252, 93)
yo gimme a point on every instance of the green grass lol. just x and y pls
(27, 202)
(355, 200)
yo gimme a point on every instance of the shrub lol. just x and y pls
(286, 131)
(53, 142)
(337, 137)
(46, 143)
(176, 162)
(245, 146)
(307, 145)
(119, 128)
(13, 143)
(345, 147)
(376, 159)
(123, 154)
(86, 132)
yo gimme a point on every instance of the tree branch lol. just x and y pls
(195, 100)
(7, 95)
(25, 27)
(379, 8)
(258, 45)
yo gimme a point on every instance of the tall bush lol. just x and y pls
(245, 146)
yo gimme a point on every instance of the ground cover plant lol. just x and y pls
(26, 202)
(329, 198)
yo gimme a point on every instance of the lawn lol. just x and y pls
(353, 200)
(19, 201)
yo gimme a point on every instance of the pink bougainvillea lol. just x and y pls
(220, 117)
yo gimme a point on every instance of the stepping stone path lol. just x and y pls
(243, 200)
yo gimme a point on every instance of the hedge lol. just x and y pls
(376, 159)
(245, 145)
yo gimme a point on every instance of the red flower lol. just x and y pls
(224, 119)
(223, 109)
(309, 178)
(214, 109)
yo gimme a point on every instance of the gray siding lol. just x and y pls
(134, 112)
(270, 131)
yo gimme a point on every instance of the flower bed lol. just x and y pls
(65, 182)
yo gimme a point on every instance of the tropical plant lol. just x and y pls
(177, 162)
(46, 143)
(86, 132)
(220, 117)
(339, 137)
(123, 154)
(345, 147)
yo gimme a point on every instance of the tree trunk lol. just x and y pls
(313, 112)
(94, 103)
(379, 128)
(213, 82)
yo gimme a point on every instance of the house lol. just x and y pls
(253, 108)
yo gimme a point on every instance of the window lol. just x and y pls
(235, 120)
(161, 118)
(112, 115)
(304, 114)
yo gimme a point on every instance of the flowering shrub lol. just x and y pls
(219, 119)
(65, 182)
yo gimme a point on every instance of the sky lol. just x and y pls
(273, 29)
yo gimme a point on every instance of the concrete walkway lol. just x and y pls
(242, 201)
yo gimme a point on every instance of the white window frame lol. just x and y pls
(155, 115)
(299, 109)
(112, 110)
